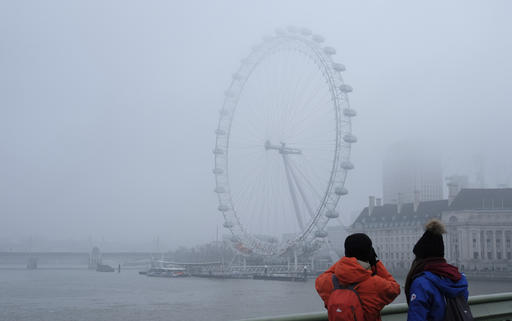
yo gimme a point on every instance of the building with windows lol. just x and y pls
(478, 222)
(411, 171)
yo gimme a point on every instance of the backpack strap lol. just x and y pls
(339, 286)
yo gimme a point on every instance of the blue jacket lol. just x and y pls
(427, 296)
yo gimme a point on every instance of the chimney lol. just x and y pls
(453, 188)
(379, 202)
(416, 199)
(371, 205)
(399, 203)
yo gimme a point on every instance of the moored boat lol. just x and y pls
(167, 272)
(104, 268)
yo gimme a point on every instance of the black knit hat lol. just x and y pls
(431, 243)
(358, 245)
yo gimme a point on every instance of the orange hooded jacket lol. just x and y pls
(375, 291)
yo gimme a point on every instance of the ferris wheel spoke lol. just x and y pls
(289, 103)
(312, 188)
(302, 194)
(310, 169)
(317, 110)
(304, 100)
(296, 120)
(248, 201)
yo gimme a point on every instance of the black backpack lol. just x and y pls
(457, 309)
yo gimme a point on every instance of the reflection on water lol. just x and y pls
(57, 295)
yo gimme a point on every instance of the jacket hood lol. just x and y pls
(448, 287)
(348, 270)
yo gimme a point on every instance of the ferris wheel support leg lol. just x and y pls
(301, 192)
(292, 191)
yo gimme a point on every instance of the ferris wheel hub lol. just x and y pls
(282, 149)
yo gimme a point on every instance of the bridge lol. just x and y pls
(489, 307)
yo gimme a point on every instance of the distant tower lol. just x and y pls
(480, 175)
(94, 258)
(455, 183)
(410, 168)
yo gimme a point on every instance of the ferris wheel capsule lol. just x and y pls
(338, 67)
(329, 51)
(218, 151)
(321, 233)
(332, 214)
(340, 190)
(347, 165)
(345, 88)
(349, 112)
(220, 190)
(349, 138)
(228, 224)
(218, 171)
(318, 38)
(305, 32)
(223, 208)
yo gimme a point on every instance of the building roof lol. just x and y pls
(387, 215)
(482, 198)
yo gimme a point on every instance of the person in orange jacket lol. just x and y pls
(375, 286)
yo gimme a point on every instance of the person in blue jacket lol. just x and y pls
(430, 278)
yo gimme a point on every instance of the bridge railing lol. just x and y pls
(489, 307)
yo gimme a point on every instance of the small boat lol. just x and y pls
(167, 272)
(104, 268)
(32, 263)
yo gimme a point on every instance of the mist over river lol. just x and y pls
(84, 295)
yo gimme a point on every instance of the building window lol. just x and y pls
(475, 255)
(474, 243)
(498, 255)
(489, 255)
(509, 256)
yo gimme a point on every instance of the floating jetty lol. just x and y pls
(220, 275)
(281, 277)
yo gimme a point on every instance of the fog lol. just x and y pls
(108, 109)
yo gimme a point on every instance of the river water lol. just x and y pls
(76, 295)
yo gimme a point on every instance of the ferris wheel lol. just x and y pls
(283, 141)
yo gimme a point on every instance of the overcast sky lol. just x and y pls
(108, 108)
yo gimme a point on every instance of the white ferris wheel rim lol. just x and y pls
(311, 45)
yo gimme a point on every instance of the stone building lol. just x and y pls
(479, 224)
